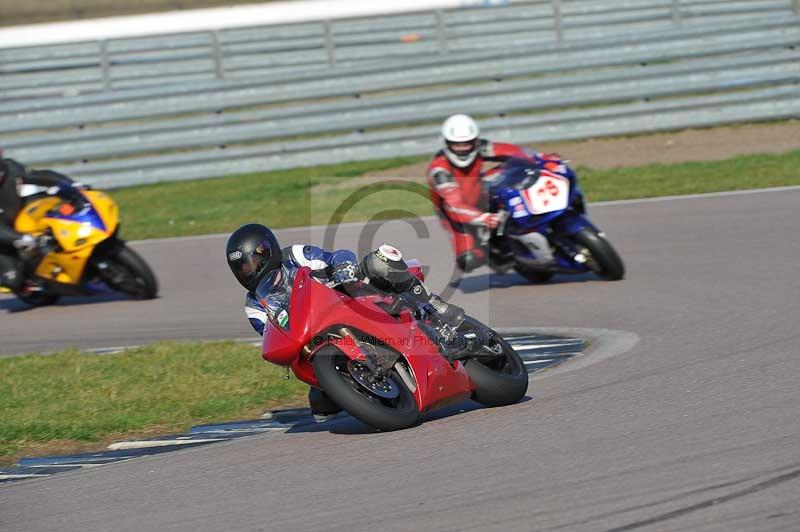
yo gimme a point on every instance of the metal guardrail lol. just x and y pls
(437, 106)
(777, 63)
(104, 65)
(213, 96)
(640, 75)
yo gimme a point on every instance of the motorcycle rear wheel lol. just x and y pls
(500, 379)
(330, 368)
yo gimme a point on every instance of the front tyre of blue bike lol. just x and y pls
(602, 257)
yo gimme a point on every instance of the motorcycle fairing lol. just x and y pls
(511, 190)
(77, 232)
(571, 223)
(316, 310)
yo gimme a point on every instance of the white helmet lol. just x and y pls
(461, 143)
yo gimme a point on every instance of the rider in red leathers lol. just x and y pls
(455, 176)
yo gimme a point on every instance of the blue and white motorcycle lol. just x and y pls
(544, 229)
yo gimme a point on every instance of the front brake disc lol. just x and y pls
(382, 386)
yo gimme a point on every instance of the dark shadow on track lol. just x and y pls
(344, 424)
(13, 305)
(494, 281)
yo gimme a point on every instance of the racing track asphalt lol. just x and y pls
(694, 428)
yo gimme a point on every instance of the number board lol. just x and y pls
(550, 193)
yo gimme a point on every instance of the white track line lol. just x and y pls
(528, 347)
(144, 444)
(694, 196)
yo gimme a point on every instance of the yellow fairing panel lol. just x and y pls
(105, 207)
(77, 239)
(32, 219)
(64, 267)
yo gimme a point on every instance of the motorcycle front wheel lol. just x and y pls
(128, 273)
(385, 403)
(604, 260)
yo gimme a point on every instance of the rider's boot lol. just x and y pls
(11, 276)
(501, 259)
(321, 404)
(450, 314)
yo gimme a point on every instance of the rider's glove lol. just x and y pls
(487, 219)
(345, 272)
(549, 156)
(26, 243)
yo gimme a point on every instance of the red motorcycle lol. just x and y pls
(386, 358)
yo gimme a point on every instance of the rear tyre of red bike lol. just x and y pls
(500, 378)
(390, 405)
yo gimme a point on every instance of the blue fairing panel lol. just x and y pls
(571, 224)
(88, 215)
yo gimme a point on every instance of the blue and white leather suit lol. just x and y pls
(278, 298)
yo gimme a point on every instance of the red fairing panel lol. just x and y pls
(316, 308)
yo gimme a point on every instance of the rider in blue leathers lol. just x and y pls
(294, 257)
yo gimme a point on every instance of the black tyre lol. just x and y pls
(39, 299)
(603, 260)
(129, 273)
(400, 412)
(500, 377)
(534, 276)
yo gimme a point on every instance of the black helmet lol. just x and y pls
(253, 252)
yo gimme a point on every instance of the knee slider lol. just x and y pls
(11, 278)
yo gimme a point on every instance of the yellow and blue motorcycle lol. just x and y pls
(80, 252)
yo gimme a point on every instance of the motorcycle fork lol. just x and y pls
(569, 249)
(378, 363)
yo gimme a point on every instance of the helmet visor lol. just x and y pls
(255, 261)
(463, 149)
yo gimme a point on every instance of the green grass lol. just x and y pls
(281, 198)
(738, 173)
(284, 198)
(72, 401)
